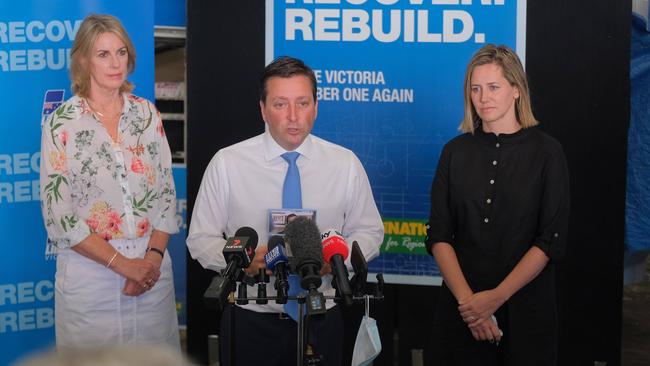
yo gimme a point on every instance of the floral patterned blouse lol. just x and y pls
(91, 184)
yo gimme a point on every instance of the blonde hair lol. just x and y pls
(512, 71)
(91, 28)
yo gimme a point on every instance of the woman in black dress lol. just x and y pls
(498, 223)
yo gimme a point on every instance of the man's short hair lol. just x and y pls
(286, 67)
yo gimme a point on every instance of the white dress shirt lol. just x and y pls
(243, 181)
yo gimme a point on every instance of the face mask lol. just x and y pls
(368, 344)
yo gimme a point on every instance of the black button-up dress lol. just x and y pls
(492, 199)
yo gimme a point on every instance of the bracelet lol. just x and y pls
(152, 249)
(110, 261)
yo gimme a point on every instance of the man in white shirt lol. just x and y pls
(244, 182)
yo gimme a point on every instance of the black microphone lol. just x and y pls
(360, 268)
(277, 261)
(262, 279)
(238, 252)
(242, 294)
(303, 238)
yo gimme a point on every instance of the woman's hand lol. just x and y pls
(132, 288)
(486, 330)
(480, 306)
(138, 272)
(153, 257)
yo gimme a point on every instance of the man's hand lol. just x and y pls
(326, 269)
(258, 262)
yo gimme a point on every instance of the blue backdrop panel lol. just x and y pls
(35, 41)
(637, 218)
(176, 246)
(171, 13)
(390, 79)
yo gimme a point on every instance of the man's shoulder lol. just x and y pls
(236, 153)
(330, 148)
(242, 147)
(251, 141)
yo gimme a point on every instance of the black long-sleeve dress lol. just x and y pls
(492, 199)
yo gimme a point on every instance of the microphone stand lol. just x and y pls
(300, 344)
(301, 299)
(231, 301)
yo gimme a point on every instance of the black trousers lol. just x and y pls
(269, 339)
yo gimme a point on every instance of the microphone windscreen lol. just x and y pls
(334, 243)
(250, 233)
(274, 241)
(303, 236)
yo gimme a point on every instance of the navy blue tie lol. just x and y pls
(292, 198)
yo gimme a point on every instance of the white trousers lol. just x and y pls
(91, 310)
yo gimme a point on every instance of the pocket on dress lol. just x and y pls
(61, 275)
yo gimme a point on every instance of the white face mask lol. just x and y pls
(368, 344)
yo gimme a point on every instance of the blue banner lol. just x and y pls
(35, 41)
(390, 76)
(171, 13)
(176, 245)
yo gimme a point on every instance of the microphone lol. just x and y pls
(262, 279)
(238, 252)
(360, 268)
(303, 237)
(277, 261)
(335, 252)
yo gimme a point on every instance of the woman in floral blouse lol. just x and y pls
(108, 200)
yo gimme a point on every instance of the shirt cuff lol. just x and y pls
(80, 232)
(167, 224)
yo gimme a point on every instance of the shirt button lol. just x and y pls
(486, 220)
(498, 144)
(491, 181)
(488, 201)
(494, 162)
(556, 235)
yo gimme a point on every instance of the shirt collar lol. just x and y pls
(502, 137)
(272, 150)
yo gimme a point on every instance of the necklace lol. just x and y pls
(104, 115)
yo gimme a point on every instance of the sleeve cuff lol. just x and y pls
(553, 248)
(167, 224)
(80, 232)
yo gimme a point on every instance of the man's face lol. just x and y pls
(289, 110)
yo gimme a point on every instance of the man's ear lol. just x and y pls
(262, 110)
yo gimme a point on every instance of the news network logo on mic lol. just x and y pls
(234, 243)
(330, 232)
(272, 255)
(237, 244)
